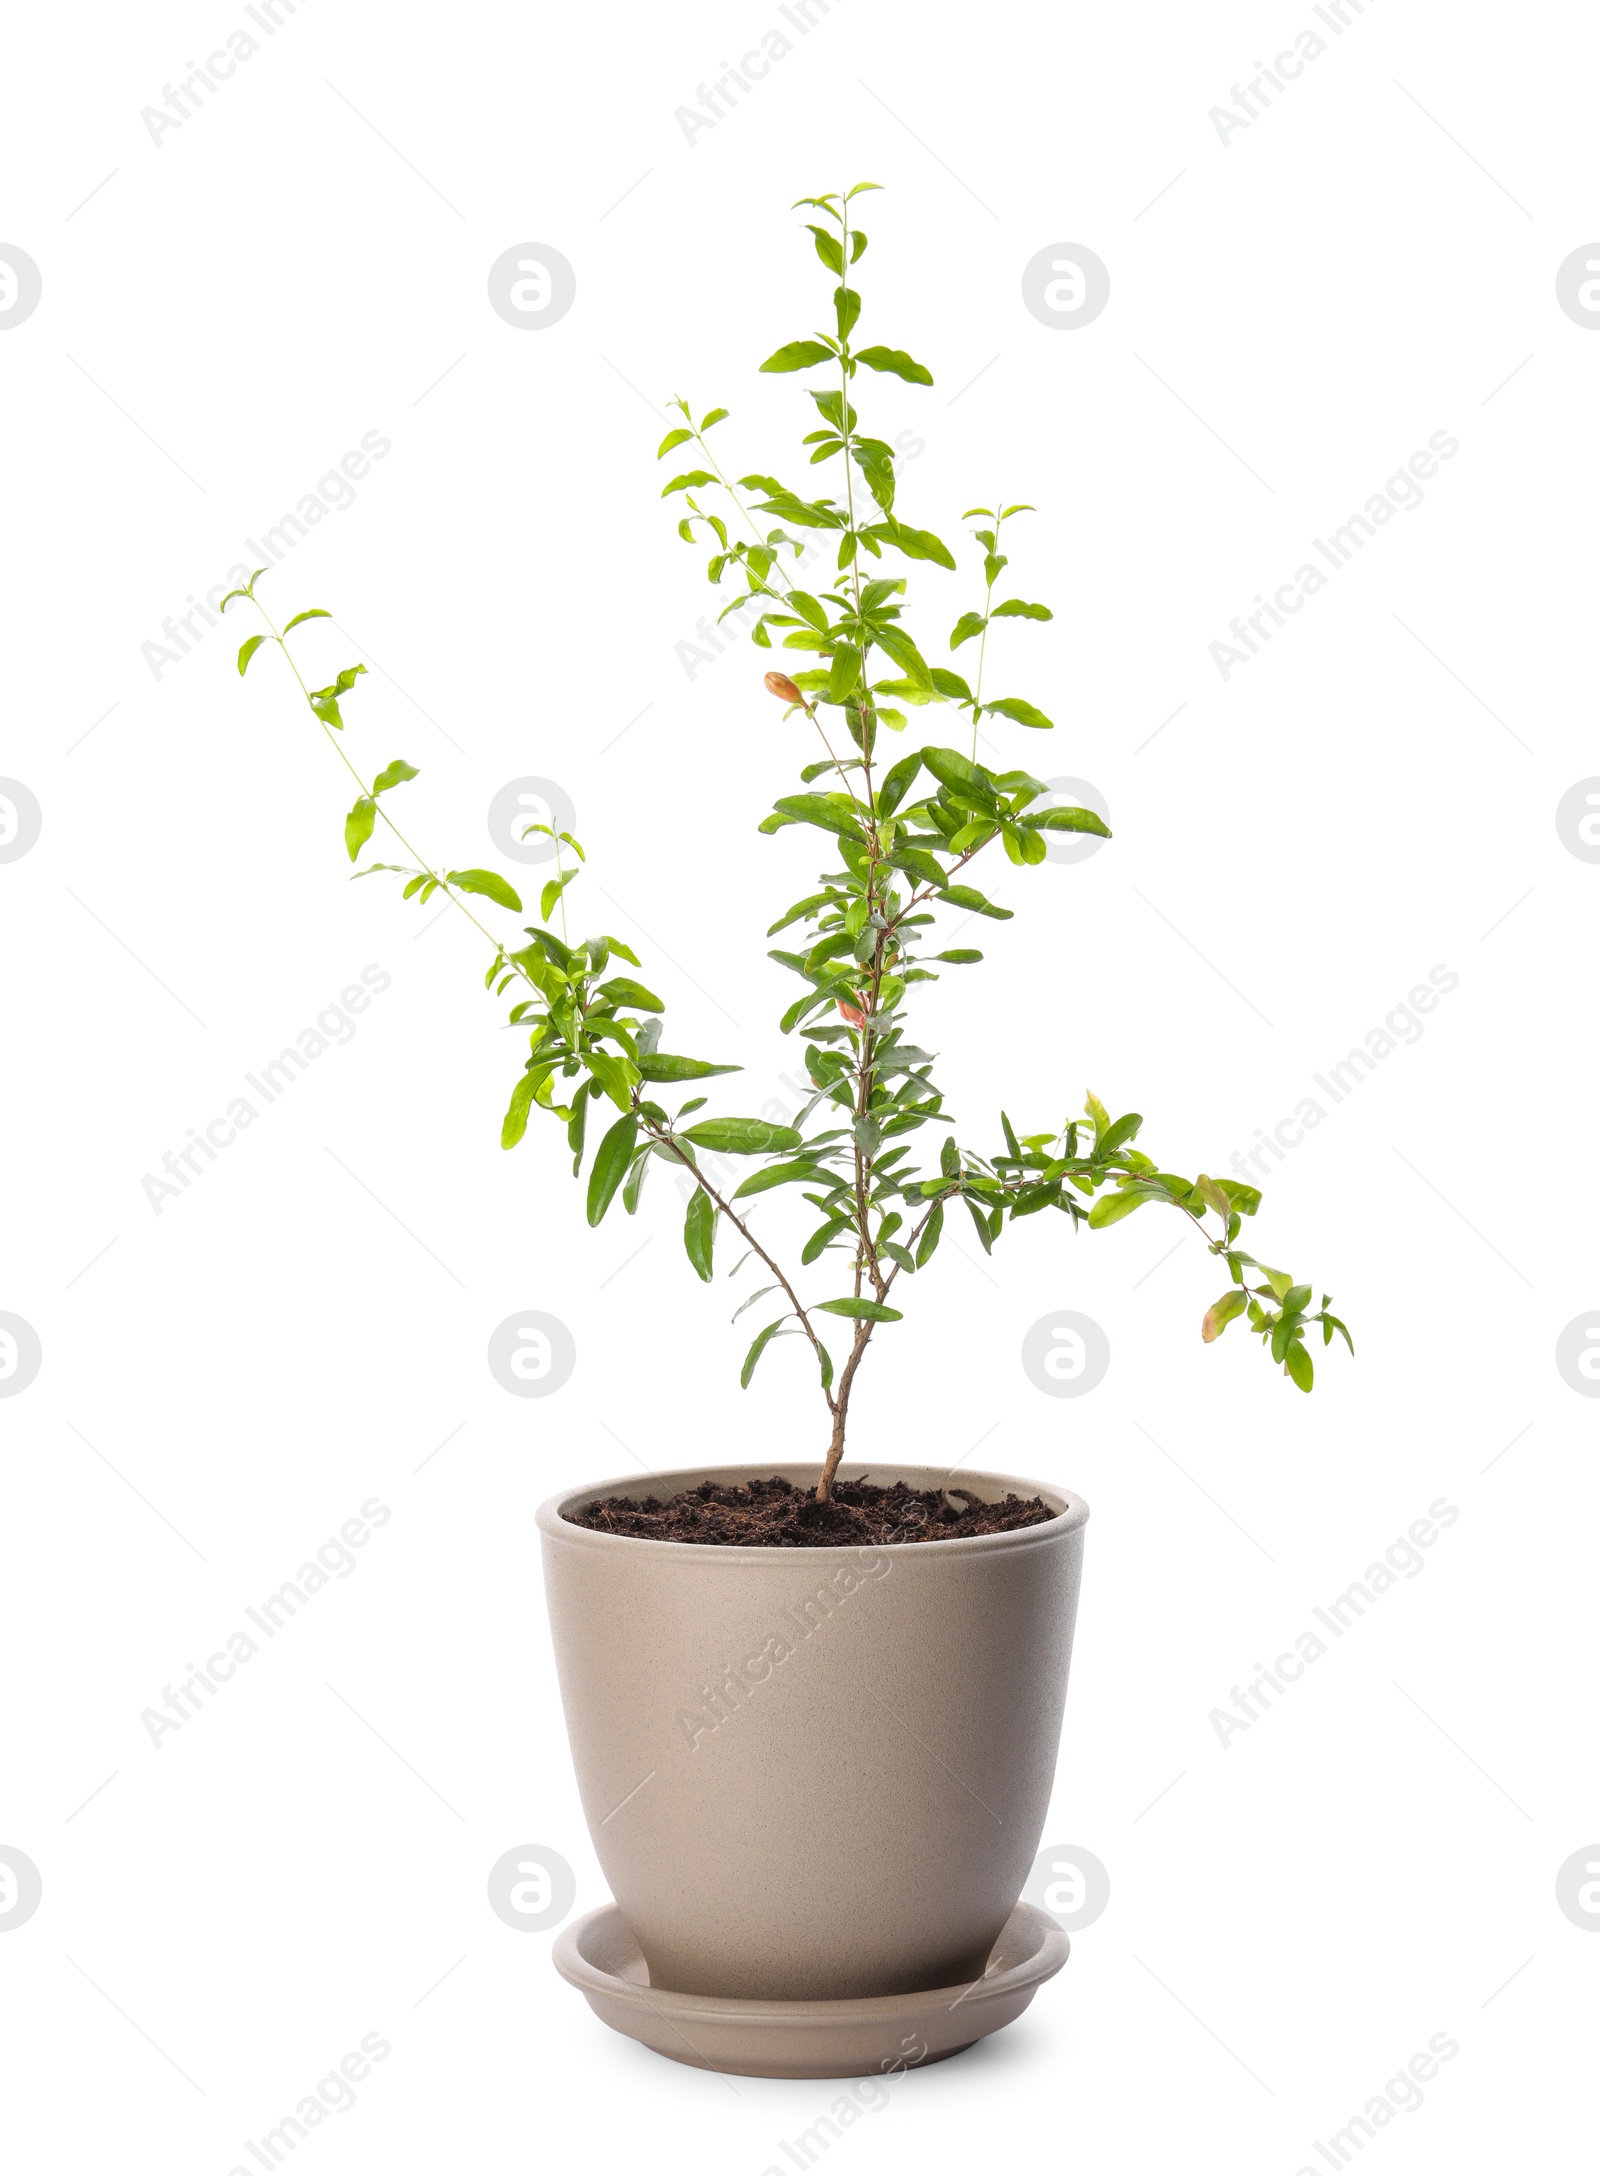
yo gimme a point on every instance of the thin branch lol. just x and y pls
(745, 1233)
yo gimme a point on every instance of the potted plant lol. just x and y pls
(815, 1711)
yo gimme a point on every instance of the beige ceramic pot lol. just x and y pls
(814, 1774)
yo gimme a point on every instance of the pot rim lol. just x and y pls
(1071, 1515)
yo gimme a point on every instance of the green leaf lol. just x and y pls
(915, 543)
(552, 892)
(634, 1186)
(952, 769)
(659, 1065)
(963, 956)
(611, 1162)
(860, 1310)
(1015, 609)
(829, 812)
(969, 624)
(843, 673)
(1221, 1312)
(896, 362)
(895, 643)
(699, 1231)
(614, 1077)
(394, 774)
(488, 884)
(1298, 1363)
(821, 1238)
(741, 1136)
(325, 701)
(515, 1123)
(876, 462)
(804, 906)
(931, 1234)
(799, 355)
(798, 1010)
(846, 309)
(1114, 1137)
(802, 1172)
(247, 591)
(808, 513)
(358, 825)
(1065, 819)
(316, 613)
(978, 833)
(1112, 1208)
(673, 438)
(1213, 1196)
(757, 1349)
(717, 415)
(1020, 713)
(687, 481)
(761, 1292)
(623, 990)
(828, 249)
(964, 895)
(809, 609)
(578, 1122)
(919, 691)
(918, 864)
(1101, 1116)
(896, 785)
(247, 650)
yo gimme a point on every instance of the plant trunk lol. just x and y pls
(841, 1408)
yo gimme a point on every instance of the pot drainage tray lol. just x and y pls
(855, 2038)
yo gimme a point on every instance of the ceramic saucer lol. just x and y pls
(849, 2039)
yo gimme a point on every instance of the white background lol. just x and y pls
(1370, 262)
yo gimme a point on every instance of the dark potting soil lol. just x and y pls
(776, 1515)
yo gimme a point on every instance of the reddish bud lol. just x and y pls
(855, 1018)
(779, 684)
